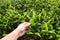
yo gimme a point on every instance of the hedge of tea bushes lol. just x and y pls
(44, 16)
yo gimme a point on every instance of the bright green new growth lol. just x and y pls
(44, 16)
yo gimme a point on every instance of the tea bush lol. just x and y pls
(44, 16)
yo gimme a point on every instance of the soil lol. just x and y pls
(27, 37)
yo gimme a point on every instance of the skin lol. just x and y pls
(18, 32)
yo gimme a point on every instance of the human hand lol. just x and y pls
(22, 28)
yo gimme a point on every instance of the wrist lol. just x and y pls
(16, 33)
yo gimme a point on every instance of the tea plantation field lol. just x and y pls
(44, 16)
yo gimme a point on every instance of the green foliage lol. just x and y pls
(44, 16)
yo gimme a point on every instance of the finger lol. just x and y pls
(26, 24)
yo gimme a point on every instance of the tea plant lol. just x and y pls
(44, 16)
